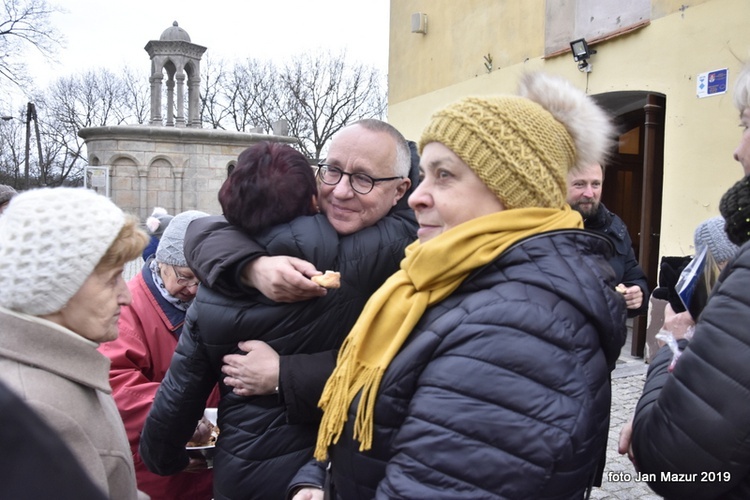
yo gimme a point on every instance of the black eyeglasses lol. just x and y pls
(360, 183)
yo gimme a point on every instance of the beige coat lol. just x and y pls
(66, 380)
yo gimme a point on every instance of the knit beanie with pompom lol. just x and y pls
(522, 147)
(158, 221)
(51, 240)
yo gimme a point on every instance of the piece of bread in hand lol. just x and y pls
(621, 288)
(330, 279)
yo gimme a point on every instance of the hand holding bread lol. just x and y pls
(330, 279)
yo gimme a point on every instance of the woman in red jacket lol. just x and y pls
(148, 331)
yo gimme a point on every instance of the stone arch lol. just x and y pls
(230, 167)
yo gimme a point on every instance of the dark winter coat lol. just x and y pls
(258, 450)
(693, 425)
(502, 389)
(623, 261)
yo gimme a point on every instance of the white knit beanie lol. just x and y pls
(51, 239)
(171, 249)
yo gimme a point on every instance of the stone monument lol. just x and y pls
(171, 162)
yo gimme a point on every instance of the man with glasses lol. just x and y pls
(364, 183)
(148, 332)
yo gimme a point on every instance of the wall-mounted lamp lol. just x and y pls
(419, 23)
(581, 54)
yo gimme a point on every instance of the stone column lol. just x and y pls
(178, 175)
(156, 80)
(143, 210)
(180, 116)
(170, 102)
(194, 119)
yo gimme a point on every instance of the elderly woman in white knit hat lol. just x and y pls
(62, 252)
(149, 329)
(481, 368)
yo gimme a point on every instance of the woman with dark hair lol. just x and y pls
(271, 184)
(257, 451)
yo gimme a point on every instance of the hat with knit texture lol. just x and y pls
(51, 240)
(711, 233)
(522, 147)
(735, 208)
(158, 221)
(6, 193)
(171, 249)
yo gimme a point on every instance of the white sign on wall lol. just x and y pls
(97, 178)
(712, 83)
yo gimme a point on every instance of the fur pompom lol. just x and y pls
(152, 223)
(591, 128)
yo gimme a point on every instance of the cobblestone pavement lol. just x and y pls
(619, 482)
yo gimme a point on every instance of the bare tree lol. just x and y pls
(317, 95)
(322, 94)
(213, 112)
(12, 152)
(24, 24)
(251, 94)
(95, 98)
(136, 96)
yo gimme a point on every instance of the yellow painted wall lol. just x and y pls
(426, 73)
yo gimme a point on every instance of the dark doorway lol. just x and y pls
(633, 181)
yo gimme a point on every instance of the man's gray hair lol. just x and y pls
(403, 155)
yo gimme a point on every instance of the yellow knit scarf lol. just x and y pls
(429, 273)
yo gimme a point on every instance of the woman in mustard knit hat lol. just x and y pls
(481, 368)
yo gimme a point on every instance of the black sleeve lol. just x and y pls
(302, 378)
(312, 474)
(37, 463)
(216, 251)
(634, 275)
(696, 419)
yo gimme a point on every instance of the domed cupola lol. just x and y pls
(175, 55)
(174, 34)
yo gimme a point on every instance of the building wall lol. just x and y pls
(175, 168)
(682, 40)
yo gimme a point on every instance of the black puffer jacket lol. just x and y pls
(691, 430)
(258, 452)
(623, 261)
(502, 390)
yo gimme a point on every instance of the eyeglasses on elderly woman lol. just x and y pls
(184, 280)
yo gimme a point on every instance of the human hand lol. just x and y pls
(625, 445)
(309, 493)
(255, 373)
(680, 325)
(633, 296)
(196, 465)
(282, 278)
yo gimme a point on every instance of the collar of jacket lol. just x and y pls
(174, 318)
(41, 344)
(600, 220)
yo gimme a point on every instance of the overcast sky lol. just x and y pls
(113, 33)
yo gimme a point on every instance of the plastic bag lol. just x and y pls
(668, 338)
(696, 282)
